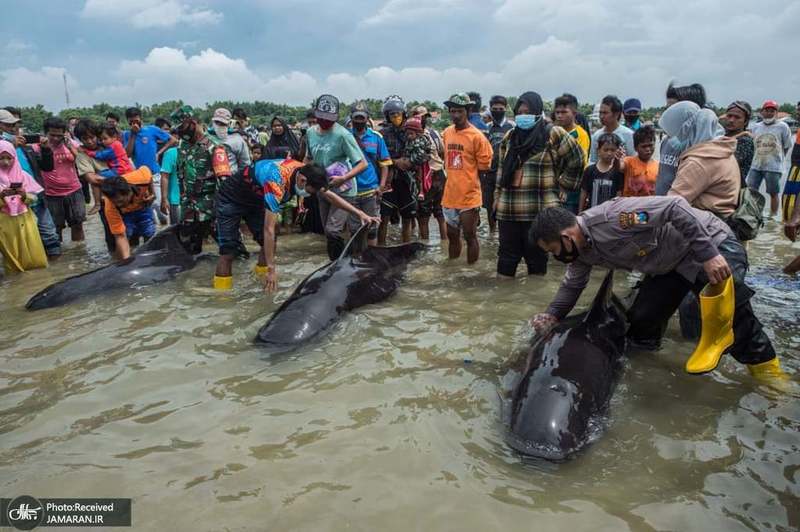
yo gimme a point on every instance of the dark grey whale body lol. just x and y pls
(156, 261)
(568, 379)
(345, 284)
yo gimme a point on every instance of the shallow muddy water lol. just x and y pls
(390, 422)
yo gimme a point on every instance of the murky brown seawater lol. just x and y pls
(391, 422)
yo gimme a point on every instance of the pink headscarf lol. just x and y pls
(16, 174)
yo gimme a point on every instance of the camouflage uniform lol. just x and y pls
(198, 186)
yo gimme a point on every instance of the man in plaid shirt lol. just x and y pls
(537, 164)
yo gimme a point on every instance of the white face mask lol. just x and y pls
(221, 131)
(769, 121)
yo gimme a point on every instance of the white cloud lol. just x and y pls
(22, 86)
(143, 14)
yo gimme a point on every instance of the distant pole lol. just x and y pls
(66, 90)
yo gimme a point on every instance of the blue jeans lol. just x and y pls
(47, 228)
(772, 179)
(139, 223)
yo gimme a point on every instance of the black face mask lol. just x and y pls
(359, 126)
(498, 116)
(567, 256)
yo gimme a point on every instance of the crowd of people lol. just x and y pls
(548, 183)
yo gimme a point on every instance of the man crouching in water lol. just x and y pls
(678, 248)
(256, 195)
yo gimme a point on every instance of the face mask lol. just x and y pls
(187, 132)
(567, 256)
(8, 136)
(396, 120)
(359, 126)
(498, 116)
(526, 121)
(221, 131)
(325, 124)
(769, 121)
(301, 192)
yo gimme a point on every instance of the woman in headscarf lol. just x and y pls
(536, 163)
(708, 175)
(283, 142)
(20, 242)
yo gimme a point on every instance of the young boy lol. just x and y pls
(565, 112)
(641, 170)
(602, 180)
(114, 153)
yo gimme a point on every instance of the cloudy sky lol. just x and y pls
(146, 51)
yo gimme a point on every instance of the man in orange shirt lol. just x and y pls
(641, 170)
(467, 152)
(127, 208)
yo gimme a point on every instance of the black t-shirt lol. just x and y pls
(601, 186)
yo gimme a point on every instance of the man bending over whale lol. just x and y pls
(127, 207)
(256, 194)
(678, 248)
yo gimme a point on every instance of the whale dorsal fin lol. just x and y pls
(352, 244)
(602, 301)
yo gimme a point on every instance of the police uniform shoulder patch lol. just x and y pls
(629, 219)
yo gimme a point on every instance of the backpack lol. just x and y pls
(748, 217)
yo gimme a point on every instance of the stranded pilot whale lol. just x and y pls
(569, 376)
(349, 282)
(156, 261)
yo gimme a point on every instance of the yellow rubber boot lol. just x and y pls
(769, 372)
(261, 271)
(717, 303)
(223, 283)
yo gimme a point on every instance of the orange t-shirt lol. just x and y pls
(640, 177)
(139, 180)
(467, 151)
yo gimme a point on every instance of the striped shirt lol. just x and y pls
(542, 181)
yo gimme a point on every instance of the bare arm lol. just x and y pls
(123, 247)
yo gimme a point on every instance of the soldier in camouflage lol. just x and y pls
(198, 177)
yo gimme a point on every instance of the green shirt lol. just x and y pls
(338, 145)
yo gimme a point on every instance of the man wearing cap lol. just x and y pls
(400, 198)
(372, 181)
(235, 145)
(631, 109)
(432, 205)
(467, 152)
(329, 142)
(773, 141)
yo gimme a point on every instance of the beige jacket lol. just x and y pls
(708, 177)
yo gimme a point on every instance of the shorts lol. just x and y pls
(333, 218)
(174, 214)
(453, 216)
(138, 224)
(229, 215)
(69, 210)
(431, 205)
(773, 180)
(402, 199)
(368, 204)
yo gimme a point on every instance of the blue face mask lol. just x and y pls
(526, 121)
(8, 136)
(301, 192)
